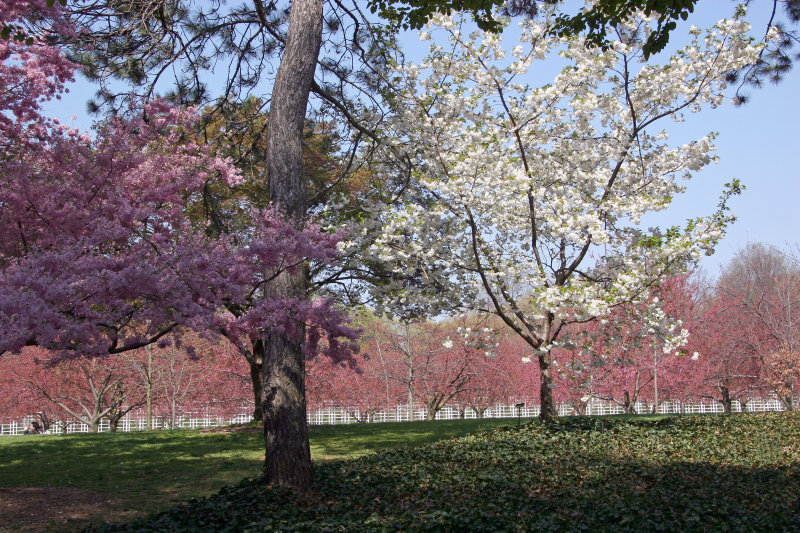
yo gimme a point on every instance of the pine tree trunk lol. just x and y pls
(256, 378)
(548, 409)
(288, 455)
(288, 458)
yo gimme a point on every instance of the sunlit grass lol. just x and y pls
(147, 471)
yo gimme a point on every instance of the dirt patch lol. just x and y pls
(33, 509)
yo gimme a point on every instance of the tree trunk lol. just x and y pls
(149, 386)
(627, 405)
(411, 392)
(431, 414)
(255, 363)
(288, 457)
(548, 410)
(787, 401)
(726, 399)
(45, 420)
(788, 397)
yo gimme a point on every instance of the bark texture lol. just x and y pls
(288, 458)
(727, 403)
(255, 362)
(548, 411)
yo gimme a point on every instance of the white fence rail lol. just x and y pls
(336, 415)
(127, 424)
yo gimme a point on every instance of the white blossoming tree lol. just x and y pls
(526, 201)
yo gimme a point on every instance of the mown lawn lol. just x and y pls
(688, 473)
(149, 471)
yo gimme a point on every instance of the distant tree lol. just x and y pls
(355, 386)
(728, 368)
(764, 288)
(500, 378)
(17, 400)
(86, 390)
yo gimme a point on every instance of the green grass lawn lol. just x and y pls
(683, 473)
(148, 471)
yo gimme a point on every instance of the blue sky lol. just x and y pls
(759, 143)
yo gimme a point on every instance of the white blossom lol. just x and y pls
(526, 199)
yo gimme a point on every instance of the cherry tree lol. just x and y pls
(99, 254)
(85, 390)
(614, 362)
(96, 254)
(17, 400)
(728, 368)
(467, 344)
(430, 361)
(226, 389)
(411, 363)
(526, 201)
(498, 378)
(211, 379)
(30, 72)
(409, 349)
(356, 386)
(624, 359)
(763, 285)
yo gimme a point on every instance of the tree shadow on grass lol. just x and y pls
(617, 476)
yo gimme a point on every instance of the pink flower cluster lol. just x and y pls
(98, 251)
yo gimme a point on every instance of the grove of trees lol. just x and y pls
(156, 256)
(740, 347)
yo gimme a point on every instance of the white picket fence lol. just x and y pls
(128, 424)
(336, 415)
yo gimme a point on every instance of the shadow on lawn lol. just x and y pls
(574, 476)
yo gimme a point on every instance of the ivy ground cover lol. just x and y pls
(691, 473)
